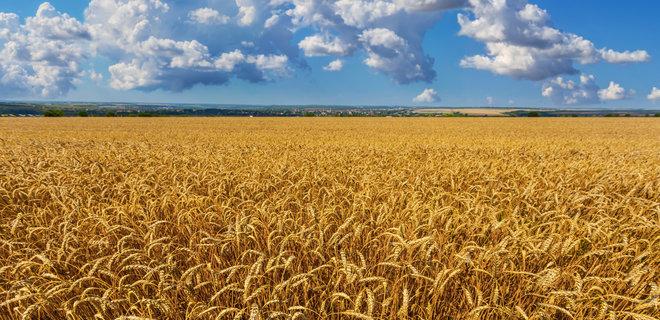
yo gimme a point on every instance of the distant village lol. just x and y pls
(38, 109)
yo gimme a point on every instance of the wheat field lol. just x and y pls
(249, 218)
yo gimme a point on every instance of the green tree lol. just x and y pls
(53, 113)
(83, 113)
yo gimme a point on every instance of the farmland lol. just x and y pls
(328, 218)
(481, 112)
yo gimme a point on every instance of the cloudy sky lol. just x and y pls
(587, 53)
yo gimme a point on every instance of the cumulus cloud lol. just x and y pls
(95, 76)
(521, 42)
(429, 5)
(175, 45)
(360, 13)
(568, 92)
(273, 63)
(272, 21)
(9, 24)
(208, 16)
(519, 38)
(586, 91)
(654, 95)
(427, 96)
(350, 26)
(133, 75)
(247, 12)
(614, 92)
(153, 51)
(228, 60)
(391, 54)
(612, 56)
(344, 28)
(42, 56)
(335, 65)
(318, 45)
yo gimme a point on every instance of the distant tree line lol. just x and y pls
(101, 112)
(56, 113)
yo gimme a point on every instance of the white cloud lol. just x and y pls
(614, 92)
(117, 26)
(382, 37)
(391, 54)
(152, 50)
(50, 24)
(272, 21)
(95, 76)
(174, 54)
(521, 42)
(43, 56)
(9, 24)
(126, 76)
(654, 95)
(247, 12)
(429, 5)
(319, 45)
(427, 96)
(228, 60)
(359, 13)
(208, 16)
(586, 91)
(367, 25)
(335, 65)
(490, 101)
(529, 62)
(612, 56)
(362, 13)
(568, 92)
(272, 63)
(175, 45)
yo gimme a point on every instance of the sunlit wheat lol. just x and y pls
(329, 218)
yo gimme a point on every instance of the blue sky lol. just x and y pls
(278, 69)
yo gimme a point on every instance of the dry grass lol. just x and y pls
(329, 218)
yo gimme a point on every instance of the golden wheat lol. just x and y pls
(329, 218)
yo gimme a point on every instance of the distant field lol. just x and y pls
(329, 218)
(470, 111)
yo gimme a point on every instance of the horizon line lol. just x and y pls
(207, 104)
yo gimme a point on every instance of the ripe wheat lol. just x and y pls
(329, 218)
